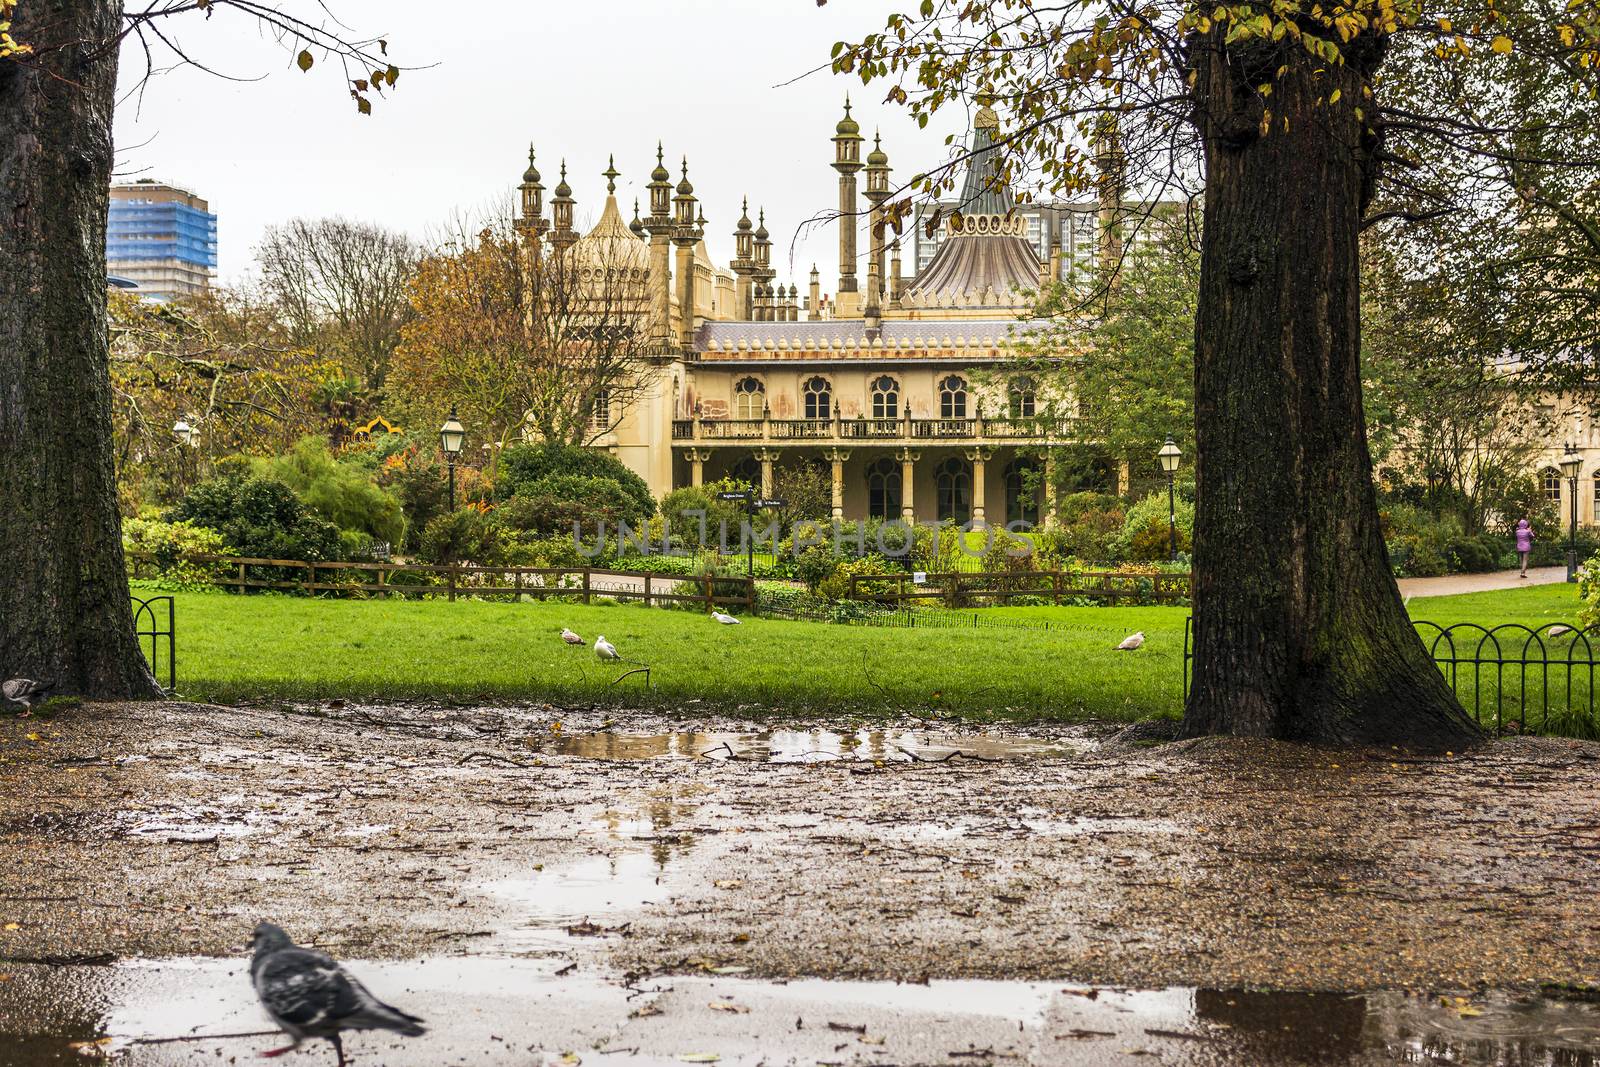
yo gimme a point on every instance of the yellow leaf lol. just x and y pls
(11, 926)
(304, 59)
(1444, 25)
(1333, 97)
(1469, 1013)
(1501, 45)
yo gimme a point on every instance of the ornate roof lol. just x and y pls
(964, 340)
(611, 243)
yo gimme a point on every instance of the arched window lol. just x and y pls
(885, 398)
(1022, 397)
(1552, 484)
(1597, 496)
(600, 416)
(747, 470)
(952, 482)
(749, 398)
(1022, 491)
(883, 489)
(953, 397)
(818, 398)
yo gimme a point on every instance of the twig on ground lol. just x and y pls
(495, 757)
(947, 757)
(203, 1037)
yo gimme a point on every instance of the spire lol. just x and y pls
(744, 215)
(610, 175)
(684, 188)
(660, 174)
(563, 189)
(531, 175)
(982, 193)
(637, 225)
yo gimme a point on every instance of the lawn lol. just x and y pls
(232, 647)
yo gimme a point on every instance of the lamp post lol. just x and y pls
(1571, 464)
(1169, 457)
(452, 435)
(189, 437)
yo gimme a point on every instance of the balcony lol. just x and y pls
(997, 430)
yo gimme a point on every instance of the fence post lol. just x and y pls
(311, 578)
(1055, 580)
(450, 581)
(383, 580)
(647, 597)
(586, 590)
(711, 605)
(750, 593)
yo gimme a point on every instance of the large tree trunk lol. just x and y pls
(1300, 632)
(64, 614)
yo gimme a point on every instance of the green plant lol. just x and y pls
(465, 535)
(1146, 528)
(342, 493)
(557, 503)
(522, 465)
(836, 586)
(173, 544)
(259, 517)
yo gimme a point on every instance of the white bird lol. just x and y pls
(1131, 642)
(309, 995)
(724, 618)
(569, 637)
(605, 649)
(26, 691)
(1558, 629)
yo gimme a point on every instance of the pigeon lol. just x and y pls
(309, 995)
(26, 691)
(724, 618)
(569, 637)
(1131, 642)
(1558, 629)
(605, 649)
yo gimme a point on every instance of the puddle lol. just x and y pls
(499, 1011)
(583, 900)
(803, 746)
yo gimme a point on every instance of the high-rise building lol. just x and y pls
(162, 237)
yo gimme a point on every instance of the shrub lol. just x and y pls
(682, 509)
(1088, 527)
(815, 565)
(727, 581)
(462, 536)
(521, 465)
(259, 517)
(173, 544)
(837, 585)
(342, 493)
(1146, 529)
(417, 479)
(553, 505)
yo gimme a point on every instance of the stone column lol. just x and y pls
(908, 458)
(697, 465)
(1047, 518)
(979, 458)
(837, 456)
(661, 284)
(767, 456)
(685, 293)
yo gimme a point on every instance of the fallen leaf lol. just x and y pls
(728, 970)
(11, 926)
(728, 1006)
(698, 1057)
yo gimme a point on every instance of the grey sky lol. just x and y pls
(580, 80)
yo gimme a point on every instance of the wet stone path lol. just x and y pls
(540, 882)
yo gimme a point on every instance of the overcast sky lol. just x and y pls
(578, 78)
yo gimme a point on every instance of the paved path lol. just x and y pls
(1451, 584)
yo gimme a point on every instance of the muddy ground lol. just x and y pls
(169, 829)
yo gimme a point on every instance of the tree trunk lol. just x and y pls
(64, 613)
(1300, 632)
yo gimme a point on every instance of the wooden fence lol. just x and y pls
(960, 587)
(243, 573)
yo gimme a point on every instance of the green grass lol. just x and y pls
(284, 647)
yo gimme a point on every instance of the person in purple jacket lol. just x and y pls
(1524, 545)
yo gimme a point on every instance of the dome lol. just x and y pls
(563, 189)
(744, 216)
(684, 188)
(660, 173)
(531, 175)
(637, 225)
(761, 231)
(611, 243)
(877, 157)
(848, 127)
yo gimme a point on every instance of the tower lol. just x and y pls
(744, 263)
(686, 233)
(877, 193)
(562, 235)
(661, 228)
(814, 300)
(531, 225)
(764, 272)
(847, 161)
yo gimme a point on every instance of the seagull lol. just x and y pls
(1558, 629)
(26, 691)
(569, 637)
(724, 618)
(309, 995)
(1131, 642)
(605, 649)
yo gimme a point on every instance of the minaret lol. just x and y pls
(562, 235)
(744, 263)
(764, 272)
(637, 225)
(847, 160)
(532, 224)
(896, 283)
(661, 228)
(1111, 162)
(794, 302)
(685, 235)
(814, 303)
(877, 193)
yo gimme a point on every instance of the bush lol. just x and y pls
(727, 581)
(259, 517)
(1147, 529)
(837, 585)
(1088, 527)
(342, 493)
(553, 505)
(681, 509)
(522, 465)
(417, 479)
(462, 536)
(172, 544)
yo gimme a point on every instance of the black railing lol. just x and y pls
(1510, 678)
(147, 626)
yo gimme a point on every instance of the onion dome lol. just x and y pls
(744, 216)
(563, 189)
(660, 174)
(684, 188)
(848, 127)
(531, 175)
(637, 225)
(761, 231)
(877, 157)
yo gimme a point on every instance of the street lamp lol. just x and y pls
(452, 435)
(186, 434)
(1571, 465)
(1169, 457)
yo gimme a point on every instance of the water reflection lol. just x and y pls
(800, 746)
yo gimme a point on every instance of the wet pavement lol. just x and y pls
(495, 1011)
(593, 882)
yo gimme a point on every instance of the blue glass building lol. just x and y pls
(162, 237)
